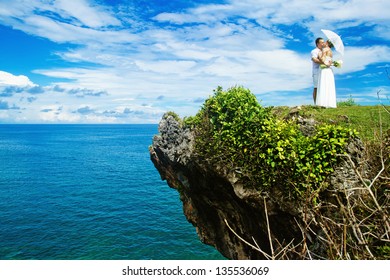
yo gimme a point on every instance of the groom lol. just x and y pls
(316, 64)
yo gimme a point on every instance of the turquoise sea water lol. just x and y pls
(88, 192)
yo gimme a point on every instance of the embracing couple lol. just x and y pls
(324, 92)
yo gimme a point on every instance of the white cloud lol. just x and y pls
(175, 18)
(358, 58)
(167, 66)
(8, 79)
(52, 114)
(88, 15)
(63, 32)
(65, 21)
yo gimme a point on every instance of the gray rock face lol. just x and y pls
(225, 211)
(345, 177)
(173, 141)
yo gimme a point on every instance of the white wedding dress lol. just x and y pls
(326, 89)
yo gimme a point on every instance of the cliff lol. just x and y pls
(243, 221)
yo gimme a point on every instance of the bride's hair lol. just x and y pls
(330, 44)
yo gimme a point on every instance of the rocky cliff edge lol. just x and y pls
(242, 222)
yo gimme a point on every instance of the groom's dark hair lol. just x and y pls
(318, 39)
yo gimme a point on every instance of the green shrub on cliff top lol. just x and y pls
(235, 131)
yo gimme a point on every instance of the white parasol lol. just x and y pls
(335, 39)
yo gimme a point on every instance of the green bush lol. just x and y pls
(347, 103)
(174, 115)
(233, 130)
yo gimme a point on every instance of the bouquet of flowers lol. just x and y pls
(337, 63)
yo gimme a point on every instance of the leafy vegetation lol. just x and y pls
(349, 102)
(175, 116)
(235, 131)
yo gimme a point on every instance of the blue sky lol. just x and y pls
(129, 61)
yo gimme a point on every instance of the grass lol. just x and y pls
(365, 119)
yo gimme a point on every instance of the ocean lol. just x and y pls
(89, 192)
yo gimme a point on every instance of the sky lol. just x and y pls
(130, 61)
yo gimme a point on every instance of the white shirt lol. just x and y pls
(314, 54)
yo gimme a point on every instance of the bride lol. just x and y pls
(326, 93)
